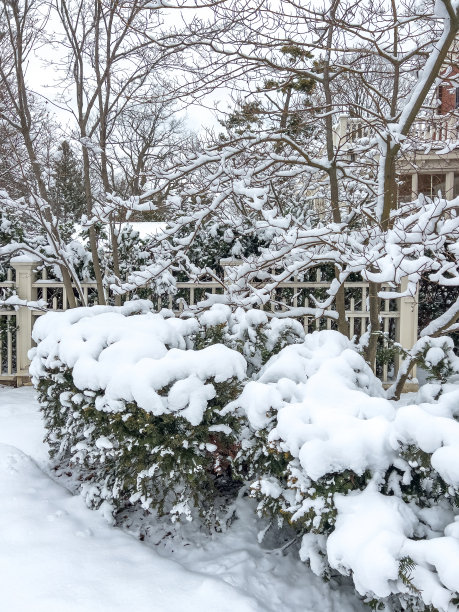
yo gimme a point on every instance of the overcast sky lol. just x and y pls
(43, 79)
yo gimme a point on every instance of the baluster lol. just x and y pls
(9, 345)
(352, 318)
(386, 332)
(44, 291)
(295, 292)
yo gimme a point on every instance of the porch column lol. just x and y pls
(449, 187)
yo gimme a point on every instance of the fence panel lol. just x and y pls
(399, 317)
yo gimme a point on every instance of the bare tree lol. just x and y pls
(115, 67)
(23, 23)
(243, 46)
(146, 137)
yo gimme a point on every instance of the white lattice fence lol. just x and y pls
(399, 317)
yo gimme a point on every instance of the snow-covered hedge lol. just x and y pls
(171, 412)
(137, 398)
(371, 486)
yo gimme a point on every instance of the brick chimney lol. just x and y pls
(448, 92)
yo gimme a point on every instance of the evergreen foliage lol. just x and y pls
(67, 195)
(163, 461)
(11, 230)
(434, 299)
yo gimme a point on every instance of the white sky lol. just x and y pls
(43, 79)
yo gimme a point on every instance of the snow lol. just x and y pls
(190, 396)
(370, 526)
(445, 461)
(97, 568)
(148, 228)
(15, 302)
(131, 358)
(25, 258)
(434, 355)
(57, 555)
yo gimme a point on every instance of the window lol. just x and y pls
(431, 184)
(456, 185)
(404, 188)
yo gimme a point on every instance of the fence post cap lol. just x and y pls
(25, 259)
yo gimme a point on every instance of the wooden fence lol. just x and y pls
(399, 316)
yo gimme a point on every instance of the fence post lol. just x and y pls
(227, 263)
(24, 266)
(408, 322)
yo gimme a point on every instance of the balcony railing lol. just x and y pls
(436, 130)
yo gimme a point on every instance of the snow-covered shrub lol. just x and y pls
(436, 356)
(160, 410)
(126, 396)
(250, 332)
(219, 240)
(139, 400)
(370, 486)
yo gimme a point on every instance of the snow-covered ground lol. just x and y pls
(58, 556)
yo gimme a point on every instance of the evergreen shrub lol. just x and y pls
(173, 449)
(370, 487)
(176, 414)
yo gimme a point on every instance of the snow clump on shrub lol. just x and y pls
(125, 396)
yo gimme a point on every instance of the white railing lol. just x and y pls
(399, 317)
(349, 131)
(8, 327)
(436, 128)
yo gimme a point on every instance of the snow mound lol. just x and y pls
(61, 550)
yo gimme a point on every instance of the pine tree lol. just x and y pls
(67, 193)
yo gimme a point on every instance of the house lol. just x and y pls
(429, 159)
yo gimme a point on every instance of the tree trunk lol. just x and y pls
(343, 324)
(375, 325)
(92, 231)
(25, 119)
(116, 260)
